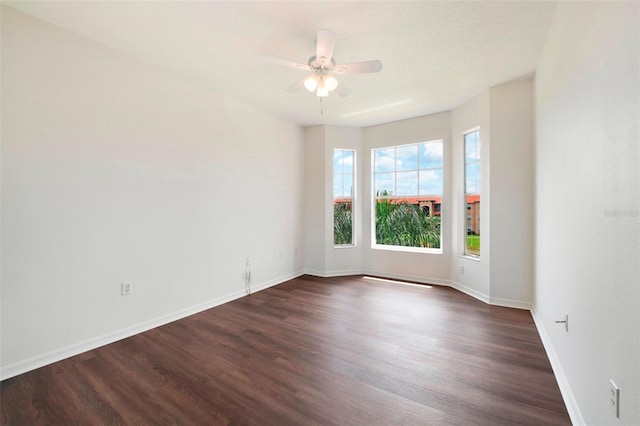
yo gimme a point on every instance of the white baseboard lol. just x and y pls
(404, 277)
(330, 274)
(38, 361)
(315, 273)
(276, 281)
(470, 291)
(509, 303)
(506, 303)
(565, 389)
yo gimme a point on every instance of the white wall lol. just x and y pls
(587, 231)
(475, 278)
(115, 171)
(422, 267)
(511, 178)
(315, 201)
(502, 274)
(322, 257)
(344, 260)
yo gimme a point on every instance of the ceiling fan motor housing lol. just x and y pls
(321, 65)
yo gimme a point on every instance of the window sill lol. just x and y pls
(344, 246)
(407, 249)
(467, 257)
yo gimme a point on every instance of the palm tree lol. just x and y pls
(342, 224)
(404, 224)
(397, 224)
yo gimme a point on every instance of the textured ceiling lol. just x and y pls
(435, 55)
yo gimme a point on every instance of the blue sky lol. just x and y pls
(409, 170)
(472, 162)
(343, 173)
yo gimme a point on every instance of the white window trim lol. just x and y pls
(423, 250)
(410, 249)
(354, 224)
(468, 257)
(465, 254)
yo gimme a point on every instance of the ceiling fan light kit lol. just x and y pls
(323, 83)
(323, 67)
(322, 90)
(311, 83)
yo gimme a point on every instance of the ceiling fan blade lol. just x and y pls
(324, 47)
(284, 62)
(342, 90)
(296, 87)
(358, 67)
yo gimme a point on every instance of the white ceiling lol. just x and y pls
(435, 55)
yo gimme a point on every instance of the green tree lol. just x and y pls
(403, 224)
(342, 224)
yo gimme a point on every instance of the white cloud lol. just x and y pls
(384, 160)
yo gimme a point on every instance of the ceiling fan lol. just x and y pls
(323, 68)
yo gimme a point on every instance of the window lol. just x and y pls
(407, 189)
(343, 196)
(472, 189)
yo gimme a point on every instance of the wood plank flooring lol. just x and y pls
(338, 351)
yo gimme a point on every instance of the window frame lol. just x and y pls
(465, 194)
(353, 196)
(374, 197)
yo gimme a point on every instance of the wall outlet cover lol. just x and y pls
(614, 398)
(125, 289)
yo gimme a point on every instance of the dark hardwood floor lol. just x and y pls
(339, 351)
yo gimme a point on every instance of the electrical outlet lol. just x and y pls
(564, 322)
(461, 269)
(125, 289)
(614, 399)
(247, 276)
